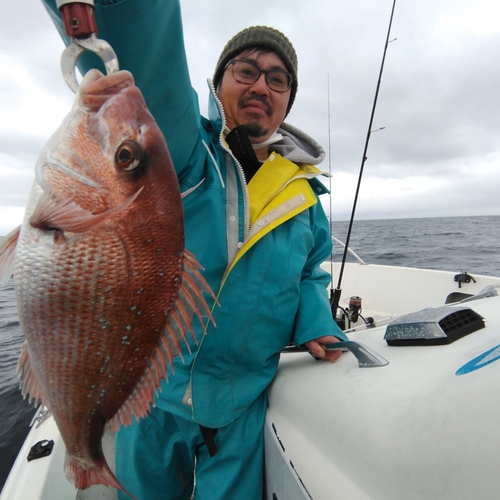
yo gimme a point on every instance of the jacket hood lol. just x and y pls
(295, 146)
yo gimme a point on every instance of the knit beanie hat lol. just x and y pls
(260, 36)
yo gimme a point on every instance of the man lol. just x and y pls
(254, 222)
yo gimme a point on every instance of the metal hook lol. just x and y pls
(77, 47)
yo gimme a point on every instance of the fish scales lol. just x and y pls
(104, 287)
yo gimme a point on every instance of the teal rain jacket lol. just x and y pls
(261, 245)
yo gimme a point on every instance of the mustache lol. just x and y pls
(256, 97)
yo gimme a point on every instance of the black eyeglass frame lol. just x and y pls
(260, 72)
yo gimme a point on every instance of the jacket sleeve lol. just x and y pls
(314, 317)
(148, 40)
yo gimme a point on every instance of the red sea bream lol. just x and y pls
(105, 288)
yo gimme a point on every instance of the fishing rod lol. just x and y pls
(335, 293)
(330, 183)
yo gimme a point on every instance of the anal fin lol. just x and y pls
(30, 385)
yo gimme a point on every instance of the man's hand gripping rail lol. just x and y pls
(367, 358)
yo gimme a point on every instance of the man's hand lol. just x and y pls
(317, 350)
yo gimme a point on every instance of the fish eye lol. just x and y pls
(129, 155)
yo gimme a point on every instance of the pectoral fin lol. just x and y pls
(65, 215)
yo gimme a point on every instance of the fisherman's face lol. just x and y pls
(255, 105)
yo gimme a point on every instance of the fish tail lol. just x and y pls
(83, 476)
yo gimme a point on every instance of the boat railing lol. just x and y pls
(352, 252)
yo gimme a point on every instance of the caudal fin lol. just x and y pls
(83, 475)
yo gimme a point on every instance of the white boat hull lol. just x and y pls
(412, 429)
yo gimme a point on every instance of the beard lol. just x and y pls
(255, 130)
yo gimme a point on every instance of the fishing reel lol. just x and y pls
(351, 314)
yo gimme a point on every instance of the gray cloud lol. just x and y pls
(438, 101)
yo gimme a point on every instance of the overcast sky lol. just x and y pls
(438, 155)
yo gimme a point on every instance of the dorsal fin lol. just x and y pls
(190, 301)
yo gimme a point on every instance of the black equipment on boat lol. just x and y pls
(41, 449)
(433, 326)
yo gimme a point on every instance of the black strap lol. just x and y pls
(242, 149)
(208, 435)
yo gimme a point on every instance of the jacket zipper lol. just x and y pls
(246, 194)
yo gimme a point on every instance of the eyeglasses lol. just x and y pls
(248, 73)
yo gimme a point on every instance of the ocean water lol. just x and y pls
(469, 244)
(15, 413)
(454, 244)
